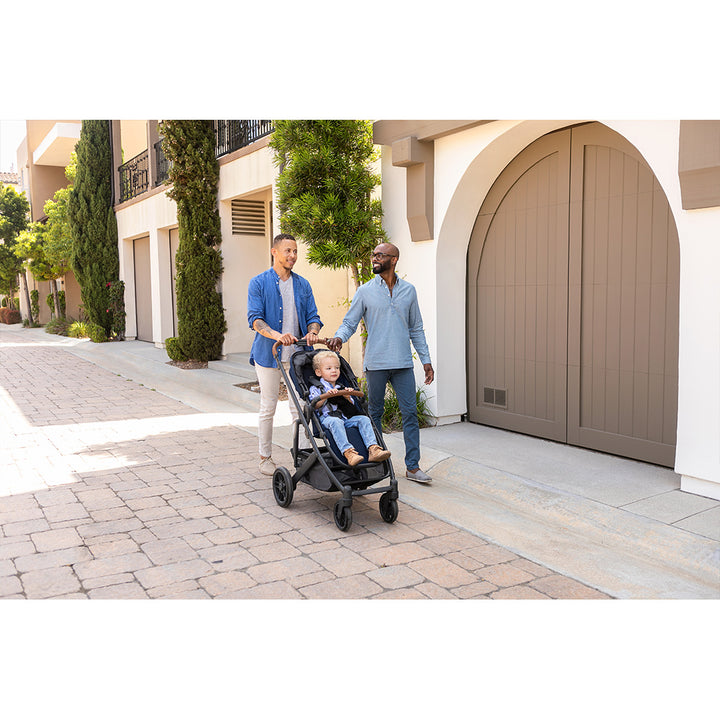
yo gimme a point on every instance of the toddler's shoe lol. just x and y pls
(353, 457)
(377, 454)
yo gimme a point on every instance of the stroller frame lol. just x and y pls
(325, 469)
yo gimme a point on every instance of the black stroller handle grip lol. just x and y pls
(300, 341)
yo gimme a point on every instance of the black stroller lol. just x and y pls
(322, 465)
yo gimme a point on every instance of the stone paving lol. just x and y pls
(112, 490)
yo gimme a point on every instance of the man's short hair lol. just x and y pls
(282, 236)
(318, 357)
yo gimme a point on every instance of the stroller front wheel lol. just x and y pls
(282, 485)
(388, 508)
(343, 516)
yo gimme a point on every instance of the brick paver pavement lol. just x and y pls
(112, 490)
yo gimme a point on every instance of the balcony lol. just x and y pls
(134, 176)
(230, 135)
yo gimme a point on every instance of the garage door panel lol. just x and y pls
(579, 334)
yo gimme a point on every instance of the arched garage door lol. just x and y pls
(573, 274)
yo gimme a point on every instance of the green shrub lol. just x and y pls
(392, 418)
(51, 304)
(78, 329)
(174, 351)
(34, 305)
(61, 302)
(60, 326)
(97, 333)
(116, 293)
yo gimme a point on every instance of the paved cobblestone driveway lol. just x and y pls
(111, 490)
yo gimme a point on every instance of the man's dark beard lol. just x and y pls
(378, 269)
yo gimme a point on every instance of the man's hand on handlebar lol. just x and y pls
(335, 344)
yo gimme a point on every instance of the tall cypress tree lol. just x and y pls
(95, 258)
(189, 145)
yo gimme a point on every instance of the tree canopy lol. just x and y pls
(325, 191)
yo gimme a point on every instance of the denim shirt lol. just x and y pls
(265, 303)
(392, 321)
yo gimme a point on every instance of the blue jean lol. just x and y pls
(336, 427)
(403, 383)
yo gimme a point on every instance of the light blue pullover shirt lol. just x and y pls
(392, 321)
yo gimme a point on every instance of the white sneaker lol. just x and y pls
(267, 466)
(419, 476)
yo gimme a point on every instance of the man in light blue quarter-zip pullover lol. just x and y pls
(389, 307)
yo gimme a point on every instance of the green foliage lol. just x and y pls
(78, 329)
(14, 209)
(189, 146)
(94, 259)
(325, 191)
(62, 303)
(116, 292)
(60, 326)
(34, 305)
(392, 417)
(96, 333)
(174, 351)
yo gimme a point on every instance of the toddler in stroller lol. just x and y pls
(339, 412)
(346, 454)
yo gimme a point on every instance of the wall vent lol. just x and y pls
(248, 217)
(495, 396)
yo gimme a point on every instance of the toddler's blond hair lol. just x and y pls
(320, 356)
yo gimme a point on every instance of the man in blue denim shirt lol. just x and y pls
(281, 307)
(392, 317)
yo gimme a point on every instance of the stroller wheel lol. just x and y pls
(388, 508)
(343, 516)
(282, 486)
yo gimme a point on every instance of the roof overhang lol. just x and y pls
(57, 145)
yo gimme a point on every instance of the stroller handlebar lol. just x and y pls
(300, 341)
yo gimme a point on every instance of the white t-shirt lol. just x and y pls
(290, 322)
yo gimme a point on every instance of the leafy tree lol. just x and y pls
(325, 191)
(189, 146)
(95, 258)
(14, 209)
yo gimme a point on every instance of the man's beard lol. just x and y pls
(381, 268)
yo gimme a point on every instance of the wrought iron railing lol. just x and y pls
(234, 134)
(134, 176)
(162, 164)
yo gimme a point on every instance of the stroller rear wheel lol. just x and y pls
(388, 508)
(282, 485)
(343, 516)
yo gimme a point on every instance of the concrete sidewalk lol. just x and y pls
(617, 525)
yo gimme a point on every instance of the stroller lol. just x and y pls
(322, 465)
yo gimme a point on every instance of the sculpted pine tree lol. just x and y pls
(189, 145)
(95, 258)
(325, 191)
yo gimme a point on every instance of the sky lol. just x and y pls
(12, 133)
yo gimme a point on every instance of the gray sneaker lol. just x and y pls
(419, 476)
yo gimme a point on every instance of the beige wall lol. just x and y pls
(133, 134)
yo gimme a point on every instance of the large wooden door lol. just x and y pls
(573, 274)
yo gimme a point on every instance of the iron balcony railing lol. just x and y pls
(230, 135)
(134, 176)
(234, 134)
(162, 164)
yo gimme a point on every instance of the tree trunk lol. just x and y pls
(56, 299)
(27, 296)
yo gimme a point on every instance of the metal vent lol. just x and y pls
(495, 396)
(248, 217)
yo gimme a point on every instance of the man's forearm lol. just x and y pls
(264, 329)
